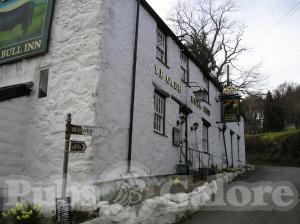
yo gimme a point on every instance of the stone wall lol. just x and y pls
(166, 208)
(32, 129)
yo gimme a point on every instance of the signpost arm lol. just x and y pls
(66, 155)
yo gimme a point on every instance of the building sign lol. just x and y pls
(24, 28)
(231, 109)
(85, 130)
(230, 90)
(77, 146)
(169, 80)
(63, 209)
(230, 103)
(195, 102)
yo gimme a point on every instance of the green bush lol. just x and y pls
(25, 213)
(281, 148)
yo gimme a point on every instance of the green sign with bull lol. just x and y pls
(24, 28)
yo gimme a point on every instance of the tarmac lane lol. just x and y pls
(268, 195)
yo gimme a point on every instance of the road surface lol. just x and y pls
(263, 173)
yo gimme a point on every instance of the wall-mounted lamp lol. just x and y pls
(223, 129)
(181, 120)
(195, 127)
(200, 94)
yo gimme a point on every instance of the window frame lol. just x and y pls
(206, 125)
(184, 69)
(162, 50)
(161, 115)
(206, 87)
(176, 137)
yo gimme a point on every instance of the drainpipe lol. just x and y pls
(133, 85)
(223, 131)
(186, 140)
(231, 134)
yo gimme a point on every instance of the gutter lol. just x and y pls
(133, 86)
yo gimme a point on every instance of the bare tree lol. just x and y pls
(249, 81)
(215, 39)
(253, 110)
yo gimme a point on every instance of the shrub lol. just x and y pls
(25, 213)
(281, 148)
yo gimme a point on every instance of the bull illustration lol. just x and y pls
(21, 14)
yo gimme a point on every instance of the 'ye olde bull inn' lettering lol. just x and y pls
(170, 81)
(26, 48)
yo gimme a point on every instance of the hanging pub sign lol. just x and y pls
(230, 103)
(24, 28)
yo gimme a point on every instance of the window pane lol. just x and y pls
(183, 60)
(184, 74)
(205, 130)
(160, 46)
(206, 86)
(43, 83)
(205, 138)
(183, 63)
(159, 110)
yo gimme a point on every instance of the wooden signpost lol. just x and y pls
(63, 204)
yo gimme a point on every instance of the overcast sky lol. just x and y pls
(273, 33)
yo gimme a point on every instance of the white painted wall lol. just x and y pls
(13, 116)
(90, 63)
(153, 150)
(32, 129)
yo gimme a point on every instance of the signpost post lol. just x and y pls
(63, 204)
(66, 155)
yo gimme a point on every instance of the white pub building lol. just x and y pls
(117, 66)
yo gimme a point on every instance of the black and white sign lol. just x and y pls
(63, 209)
(77, 147)
(86, 130)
